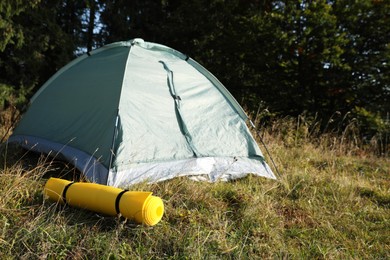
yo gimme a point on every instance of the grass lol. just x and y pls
(332, 201)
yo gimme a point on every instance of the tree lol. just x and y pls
(367, 26)
(308, 58)
(11, 32)
(122, 20)
(11, 36)
(41, 48)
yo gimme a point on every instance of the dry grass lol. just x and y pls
(332, 201)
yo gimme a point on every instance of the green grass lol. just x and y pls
(332, 201)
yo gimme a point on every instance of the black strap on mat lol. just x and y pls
(118, 198)
(65, 190)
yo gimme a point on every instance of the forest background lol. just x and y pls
(327, 60)
(313, 75)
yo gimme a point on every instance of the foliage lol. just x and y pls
(44, 49)
(309, 57)
(367, 27)
(11, 32)
(375, 129)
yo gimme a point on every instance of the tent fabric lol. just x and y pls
(217, 169)
(86, 163)
(139, 111)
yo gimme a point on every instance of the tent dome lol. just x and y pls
(139, 111)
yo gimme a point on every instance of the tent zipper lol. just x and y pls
(177, 100)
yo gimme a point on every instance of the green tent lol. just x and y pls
(139, 111)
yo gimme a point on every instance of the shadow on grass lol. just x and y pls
(12, 155)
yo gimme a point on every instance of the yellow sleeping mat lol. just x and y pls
(138, 206)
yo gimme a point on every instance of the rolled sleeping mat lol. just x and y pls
(138, 206)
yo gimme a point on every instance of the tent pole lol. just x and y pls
(266, 148)
(113, 140)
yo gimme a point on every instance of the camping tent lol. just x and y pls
(138, 111)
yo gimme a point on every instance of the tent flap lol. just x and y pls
(206, 168)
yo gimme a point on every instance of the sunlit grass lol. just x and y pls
(331, 201)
